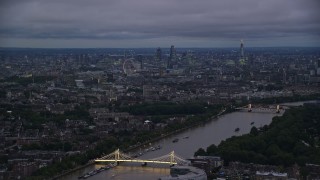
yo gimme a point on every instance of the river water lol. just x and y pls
(199, 137)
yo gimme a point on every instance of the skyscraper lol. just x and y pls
(284, 76)
(241, 49)
(241, 59)
(159, 54)
(318, 67)
(140, 60)
(172, 57)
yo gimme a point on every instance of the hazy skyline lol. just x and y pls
(150, 23)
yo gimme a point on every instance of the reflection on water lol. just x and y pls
(124, 171)
(132, 172)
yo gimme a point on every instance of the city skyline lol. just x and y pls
(145, 23)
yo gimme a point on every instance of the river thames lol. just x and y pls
(203, 136)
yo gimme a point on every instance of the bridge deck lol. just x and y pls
(118, 156)
(134, 160)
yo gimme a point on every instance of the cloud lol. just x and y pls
(155, 19)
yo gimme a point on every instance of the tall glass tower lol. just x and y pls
(242, 60)
(172, 57)
(159, 54)
(241, 50)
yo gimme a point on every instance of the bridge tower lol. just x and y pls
(172, 157)
(117, 155)
(278, 109)
(249, 108)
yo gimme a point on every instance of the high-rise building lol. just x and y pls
(241, 50)
(140, 60)
(172, 57)
(159, 54)
(172, 52)
(318, 67)
(242, 58)
(284, 76)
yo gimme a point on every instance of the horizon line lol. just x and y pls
(166, 47)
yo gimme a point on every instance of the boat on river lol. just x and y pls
(175, 140)
(158, 147)
(96, 171)
(237, 130)
(251, 123)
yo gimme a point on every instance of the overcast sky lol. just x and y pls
(153, 23)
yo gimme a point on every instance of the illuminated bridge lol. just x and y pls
(250, 108)
(118, 156)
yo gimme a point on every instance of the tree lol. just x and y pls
(200, 152)
(288, 140)
(254, 131)
(212, 149)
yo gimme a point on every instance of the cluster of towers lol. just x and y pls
(170, 60)
(172, 57)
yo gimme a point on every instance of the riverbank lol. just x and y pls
(175, 132)
(164, 136)
(159, 138)
(291, 140)
(212, 132)
(136, 147)
(72, 170)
